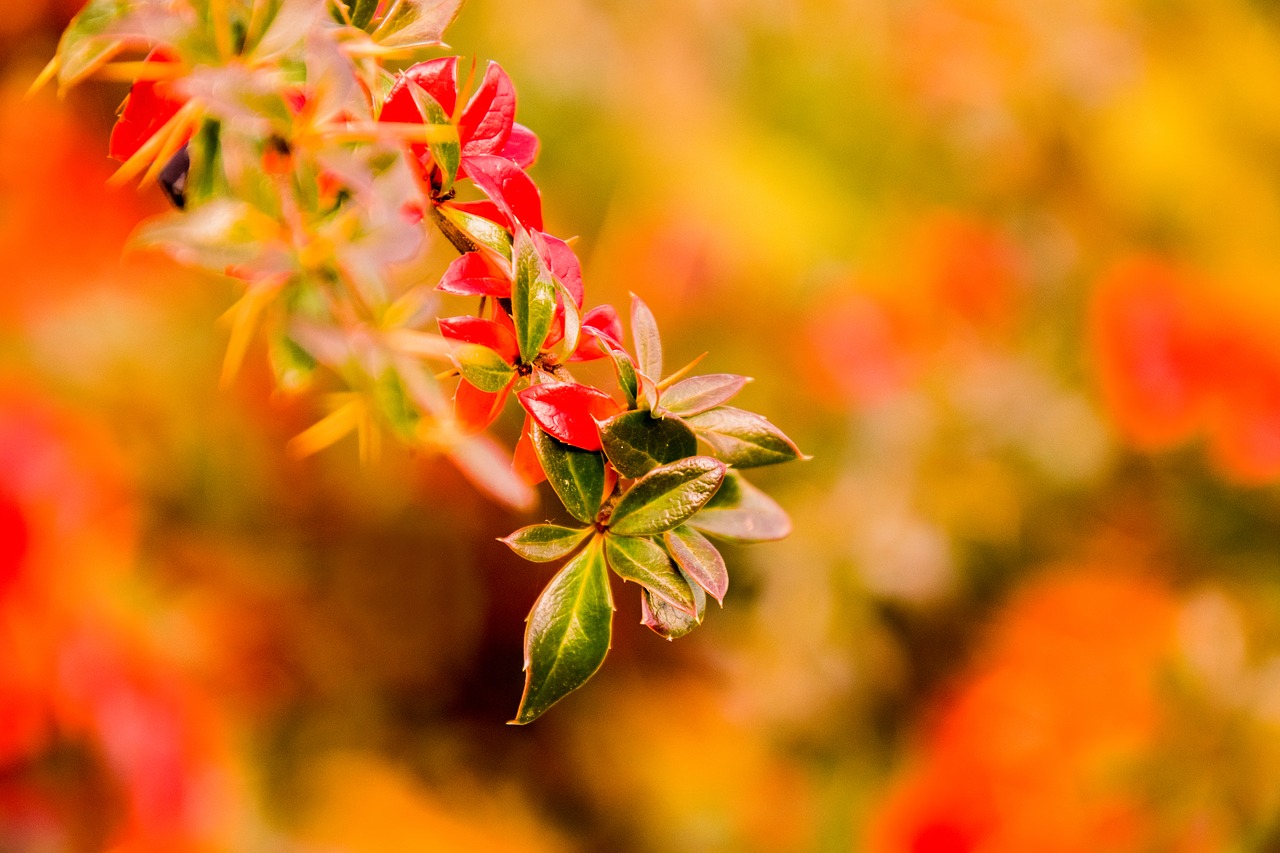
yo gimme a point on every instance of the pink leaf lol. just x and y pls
(564, 265)
(475, 274)
(486, 123)
(569, 411)
(602, 332)
(507, 185)
(521, 147)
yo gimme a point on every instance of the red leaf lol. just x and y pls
(476, 330)
(476, 409)
(475, 274)
(525, 463)
(486, 123)
(569, 411)
(147, 107)
(521, 147)
(602, 331)
(564, 265)
(507, 185)
(438, 77)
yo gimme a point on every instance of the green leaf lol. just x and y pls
(442, 139)
(481, 231)
(533, 298)
(740, 512)
(626, 370)
(541, 543)
(700, 393)
(576, 475)
(643, 561)
(483, 367)
(743, 439)
(362, 12)
(637, 442)
(699, 559)
(567, 633)
(667, 496)
(668, 621)
(644, 329)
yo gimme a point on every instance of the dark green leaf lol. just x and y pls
(699, 559)
(533, 298)
(637, 442)
(644, 329)
(668, 621)
(743, 439)
(667, 496)
(483, 367)
(700, 393)
(740, 512)
(643, 561)
(567, 633)
(362, 12)
(576, 475)
(542, 543)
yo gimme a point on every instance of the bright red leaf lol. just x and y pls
(569, 411)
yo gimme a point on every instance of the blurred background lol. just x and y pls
(1009, 270)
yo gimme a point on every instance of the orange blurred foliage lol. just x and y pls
(1178, 360)
(1038, 747)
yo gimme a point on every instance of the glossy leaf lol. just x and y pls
(477, 330)
(699, 393)
(533, 298)
(743, 439)
(482, 367)
(476, 274)
(576, 475)
(522, 146)
(565, 266)
(480, 229)
(625, 369)
(699, 559)
(644, 329)
(601, 333)
(569, 411)
(668, 621)
(567, 634)
(637, 442)
(541, 543)
(507, 186)
(667, 496)
(740, 512)
(641, 560)
(485, 124)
